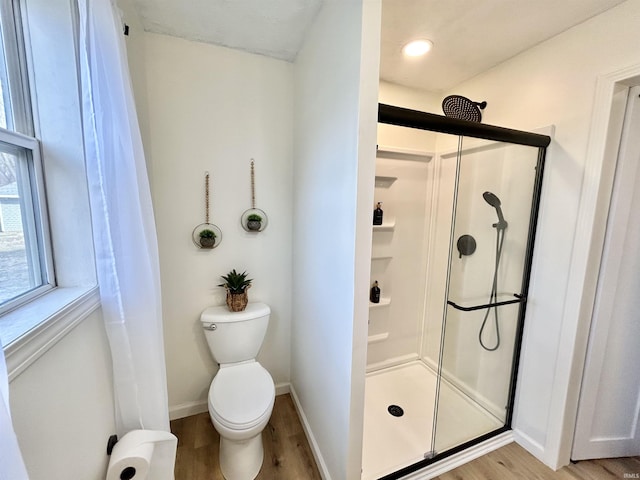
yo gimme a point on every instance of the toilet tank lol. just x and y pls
(235, 336)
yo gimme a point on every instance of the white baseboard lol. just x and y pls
(459, 459)
(200, 406)
(322, 466)
(529, 444)
(187, 409)
(283, 388)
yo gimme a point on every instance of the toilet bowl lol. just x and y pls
(242, 393)
(241, 399)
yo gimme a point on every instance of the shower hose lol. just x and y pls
(493, 298)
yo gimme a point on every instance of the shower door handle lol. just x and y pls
(518, 299)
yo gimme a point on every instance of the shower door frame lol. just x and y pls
(404, 117)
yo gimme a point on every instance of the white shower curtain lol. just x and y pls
(123, 226)
(11, 463)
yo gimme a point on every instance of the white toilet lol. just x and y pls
(242, 393)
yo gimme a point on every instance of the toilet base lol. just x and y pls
(241, 460)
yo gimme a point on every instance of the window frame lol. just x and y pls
(38, 204)
(16, 67)
(22, 135)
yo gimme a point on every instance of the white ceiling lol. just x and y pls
(274, 28)
(469, 36)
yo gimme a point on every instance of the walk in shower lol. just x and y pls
(452, 258)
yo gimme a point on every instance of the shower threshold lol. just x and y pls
(390, 442)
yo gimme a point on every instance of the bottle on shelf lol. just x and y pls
(374, 297)
(377, 214)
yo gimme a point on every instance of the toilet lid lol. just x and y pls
(241, 394)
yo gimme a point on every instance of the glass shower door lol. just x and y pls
(493, 224)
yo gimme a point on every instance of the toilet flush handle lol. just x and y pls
(211, 326)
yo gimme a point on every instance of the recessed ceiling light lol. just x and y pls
(417, 48)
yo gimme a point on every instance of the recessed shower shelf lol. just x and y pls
(382, 257)
(384, 182)
(398, 153)
(380, 337)
(384, 302)
(385, 227)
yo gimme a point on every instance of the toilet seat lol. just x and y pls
(241, 395)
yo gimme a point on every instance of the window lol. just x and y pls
(24, 269)
(41, 144)
(25, 260)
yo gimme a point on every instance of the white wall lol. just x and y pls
(336, 104)
(137, 66)
(400, 96)
(554, 83)
(62, 406)
(407, 97)
(213, 109)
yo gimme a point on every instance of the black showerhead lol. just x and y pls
(457, 106)
(493, 200)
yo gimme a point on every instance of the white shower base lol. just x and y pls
(391, 443)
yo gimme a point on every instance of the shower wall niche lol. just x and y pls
(404, 176)
(398, 256)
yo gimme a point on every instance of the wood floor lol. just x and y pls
(287, 455)
(513, 462)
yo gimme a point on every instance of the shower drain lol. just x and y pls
(395, 410)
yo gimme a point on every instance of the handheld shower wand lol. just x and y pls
(494, 201)
(500, 227)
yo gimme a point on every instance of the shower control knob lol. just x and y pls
(211, 326)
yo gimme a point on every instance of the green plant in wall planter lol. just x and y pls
(236, 285)
(207, 238)
(254, 222)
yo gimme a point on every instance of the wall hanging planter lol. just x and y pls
(206, 236)
(254, 220)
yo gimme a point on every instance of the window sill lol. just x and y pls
(29, 331)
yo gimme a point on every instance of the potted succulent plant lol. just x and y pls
(254, 222)
(207, 238)
(236, 285)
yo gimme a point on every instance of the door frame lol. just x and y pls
(621, 210)
(584, 266)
